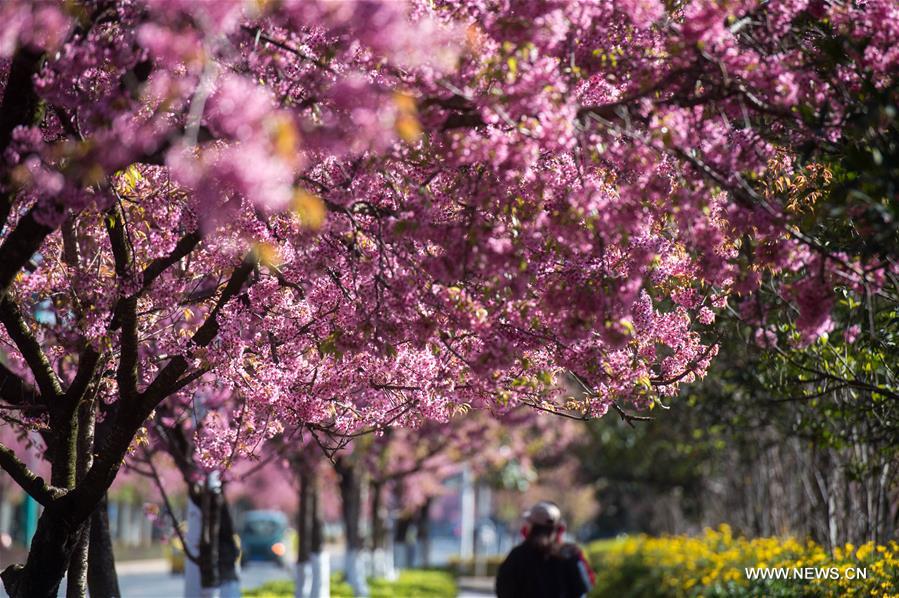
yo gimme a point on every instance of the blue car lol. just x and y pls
(265, 537)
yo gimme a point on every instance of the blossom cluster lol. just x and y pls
(444, 204)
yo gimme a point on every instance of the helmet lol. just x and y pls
(544, 514)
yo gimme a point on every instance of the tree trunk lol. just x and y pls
(404, 542)
(63, 521)
(313, 573)
(351, 503)
(52, 547)
(192, 585)
(303, 580)
(215, 573)
(423, 525)
(76, 586)
(351, 507)
(378, 541)
(218, 552)
(381, 537)
(229, 553)
(102, 580)
(59, 535)
(317, 527)
(320, 560)
(378, 516)
(76, 581)
(211, 507)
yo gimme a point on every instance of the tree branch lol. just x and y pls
(21, 106)
(630, 418)
(126, 307)
(83, 498)
(185, 245)
(189, 379)
(167, 379)
(168, 508)
(154, 269)
(14, 391)
(21, 334)
(88, 359)
(20, 102)
(29, 481)
(22, 243)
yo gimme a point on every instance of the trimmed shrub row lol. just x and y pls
(715, 564)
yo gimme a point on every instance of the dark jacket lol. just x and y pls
(529, 572)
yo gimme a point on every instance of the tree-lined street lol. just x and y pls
(287, 275)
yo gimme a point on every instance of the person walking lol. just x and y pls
(543, 566)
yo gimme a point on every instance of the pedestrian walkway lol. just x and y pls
(475, 587)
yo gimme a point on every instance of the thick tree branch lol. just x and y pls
(126, 307)
(22, 243)
(167, 379)
(83, 498)
(20, 102)
(21, 334)
(70, 251)
(29, 481)
(185, 245)
(189, 379)
(14, 391)
(154, 269)
(88, 359)
(20, 106)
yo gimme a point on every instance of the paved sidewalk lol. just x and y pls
(475, 587)
(150, 578)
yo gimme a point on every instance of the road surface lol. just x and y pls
(151, 578)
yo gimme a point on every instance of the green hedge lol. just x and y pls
(413, 583)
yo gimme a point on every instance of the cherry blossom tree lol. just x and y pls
(368, 214)
(103, 255)
(396, 473)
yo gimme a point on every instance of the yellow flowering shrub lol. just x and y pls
(716, 563)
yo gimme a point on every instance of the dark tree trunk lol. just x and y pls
(20, 102)
(76, 581)
(351, 506)
(423, 525)
(403, 539)
(218, 552)
(351, 502)
(304, 519)
(52, 547)
(64, 527)
(229, 552)
(378, 516)
(317, 525)
(311, 574)
(211, 509)
(76, 586)
(102, 581)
